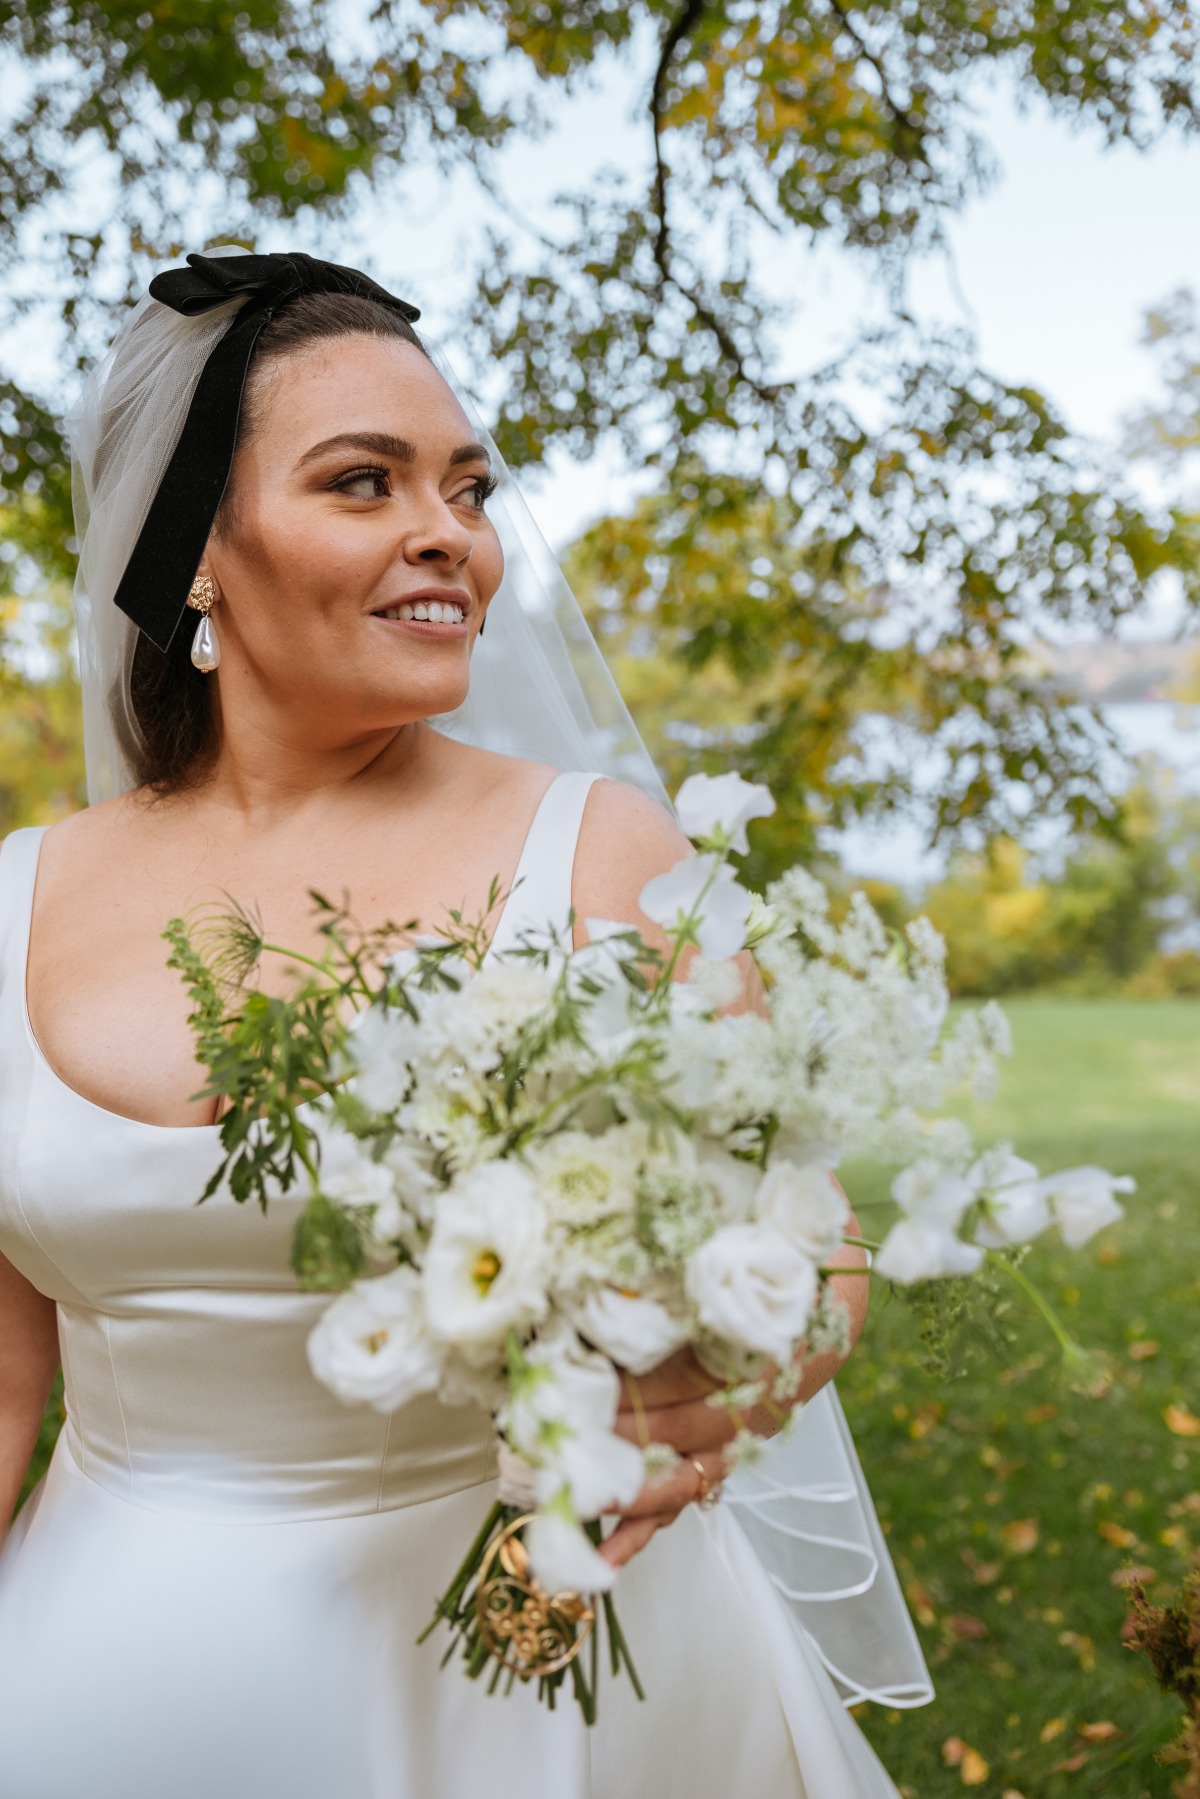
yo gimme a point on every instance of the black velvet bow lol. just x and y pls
(153, 590)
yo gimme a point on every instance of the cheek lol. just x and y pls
(309, 567)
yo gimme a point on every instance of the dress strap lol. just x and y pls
(540, 895)
(18, 874)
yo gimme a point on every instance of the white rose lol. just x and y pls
(1082, 1201)
(734, 1181)
(635, 1329)
(371, 1345)
(671, 897)
(917, 1251)
(806, 1205)
(485, 1269)
(563, 1558)
(708, 804)
(753, 1288)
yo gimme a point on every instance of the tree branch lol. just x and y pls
(900, 113)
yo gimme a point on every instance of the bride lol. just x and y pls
(218, 1587)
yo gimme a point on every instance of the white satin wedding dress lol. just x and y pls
(216, 1591)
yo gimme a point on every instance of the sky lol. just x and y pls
(1053, 268)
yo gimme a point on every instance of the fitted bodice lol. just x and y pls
(181, 1325)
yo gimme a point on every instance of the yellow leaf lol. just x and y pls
(1116, 1534)
(1181, 1422)
(974, 1769)
(1020, 1536)
(1052, 1728)
(1103, 1732)
(1083, 1646)
(1143, 1350)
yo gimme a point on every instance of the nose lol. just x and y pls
(434, 533)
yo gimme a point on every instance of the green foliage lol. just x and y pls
(907, 542)
(41, 728)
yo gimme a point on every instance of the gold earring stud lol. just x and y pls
(206, 651)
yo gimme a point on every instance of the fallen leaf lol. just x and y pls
(1143, 1350)
(963, 1626)
(1072, 1765)
(1103, 1732)
(953, 1750)
(921, 1600)
(1053, 1727)
(1116, 1534)
(1020, 1536)
(974, 1769)
(1083, 1646)
(1174, 1537)
(1011, 1793)
(1108, 1255)
(1180, 1422)
(1041, 1414)
(986, 1573)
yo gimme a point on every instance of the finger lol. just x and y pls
(630, 1536)
(677, 1488)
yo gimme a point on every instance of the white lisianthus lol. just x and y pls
(806, 1205)
(928, 1193)
(671, 897)
(753, 1288)
(485, 1269)
(371, 1345)
(636, 1329)
(734, 1181)
(914, 1250)
(563, 1558)
(1082, 1201)
(720, 807)
(1014, 1202)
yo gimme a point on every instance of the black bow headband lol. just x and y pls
(159, 574)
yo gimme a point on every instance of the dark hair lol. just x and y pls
(169, 699)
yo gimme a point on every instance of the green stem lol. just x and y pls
(1034, 1294)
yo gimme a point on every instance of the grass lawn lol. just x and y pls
(1013, 1505)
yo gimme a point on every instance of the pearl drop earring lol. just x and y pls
(206, 651)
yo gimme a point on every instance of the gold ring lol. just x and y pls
(710, 1490)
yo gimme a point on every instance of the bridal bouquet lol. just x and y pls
(529, 1175)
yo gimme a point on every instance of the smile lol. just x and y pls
(435, 612)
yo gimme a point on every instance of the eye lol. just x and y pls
(480, 491)
(364, 483)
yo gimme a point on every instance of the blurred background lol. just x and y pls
(849, 355)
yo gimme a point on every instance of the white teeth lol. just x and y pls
(405, 611)
(420, 610)
(435, 611)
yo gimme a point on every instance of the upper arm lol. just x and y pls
(624, 840)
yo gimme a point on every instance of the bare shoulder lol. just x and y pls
(625, 839)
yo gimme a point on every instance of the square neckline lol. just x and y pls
(145, 1124)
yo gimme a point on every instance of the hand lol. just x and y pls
(670, 1405)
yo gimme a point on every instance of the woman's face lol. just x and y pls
(359, 494)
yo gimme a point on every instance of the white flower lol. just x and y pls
(929, 1194)
(351, 1176)
(382, 1045)
(596, 1469)
(710, 804)
(1014, 1201)
(715, 984)
(477, 1025)
(1082, 1201)
(636, 1329)
(753, 1288)
(917, 1251)
(563, 1385)
(485, 1269)
(563, 1559)
(584, 1180)
(806, 1205)
(671, 897)
(734, 1181)
(371, 1345)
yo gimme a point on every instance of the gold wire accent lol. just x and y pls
(525, 1628)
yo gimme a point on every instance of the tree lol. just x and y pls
(912, 536)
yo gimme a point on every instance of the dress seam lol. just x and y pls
(117, 1396)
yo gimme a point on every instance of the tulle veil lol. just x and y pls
(540, 688)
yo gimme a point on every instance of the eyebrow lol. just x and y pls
(383, 443)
